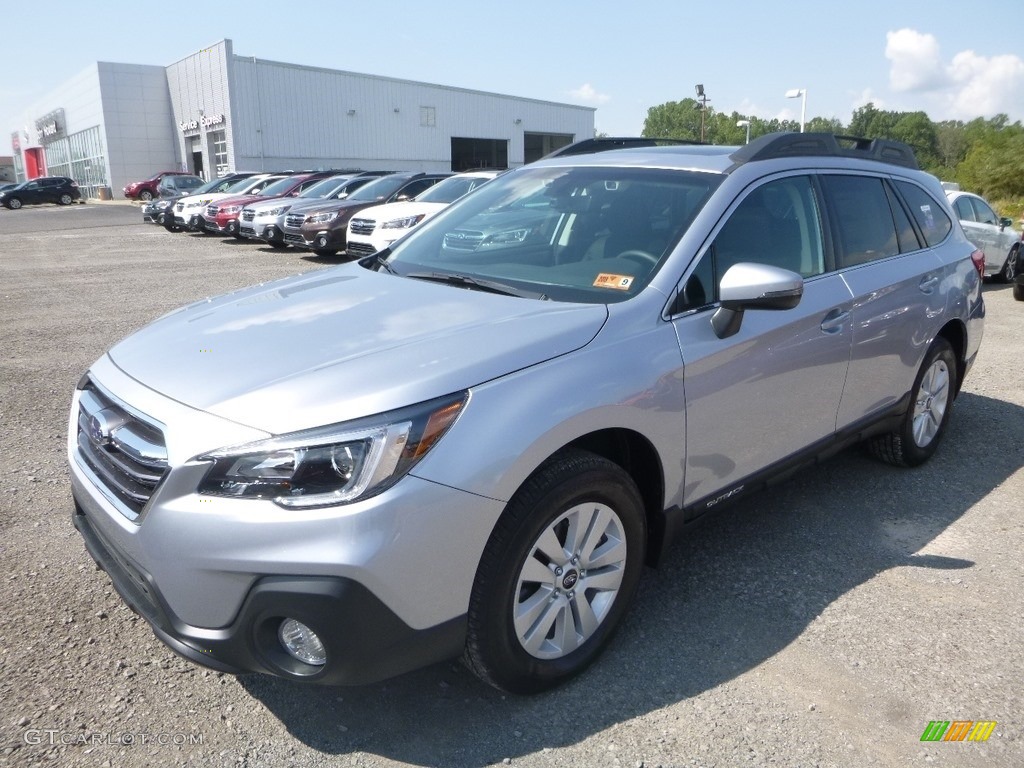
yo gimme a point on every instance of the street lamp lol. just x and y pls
(703, 99)
(741, 124)
(800, 93)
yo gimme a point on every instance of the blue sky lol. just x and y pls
(953, 60)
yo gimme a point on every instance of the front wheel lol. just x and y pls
(1018, 291)
(13, 203)
(557, 574)
(931, 402)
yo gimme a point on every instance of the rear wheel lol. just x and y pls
(65, 199)
(557, 575)
(145, 195)
(1009, 270)
(931, 403)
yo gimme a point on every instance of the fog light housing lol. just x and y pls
(301, 643)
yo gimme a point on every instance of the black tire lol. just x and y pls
(931, 403)
(516, 574)
(145, 196)
(65, 199)
(13, 203)
(1009, 270)
(1018, 291)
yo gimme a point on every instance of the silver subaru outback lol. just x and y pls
(472, 443)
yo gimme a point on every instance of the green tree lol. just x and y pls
(675, 120)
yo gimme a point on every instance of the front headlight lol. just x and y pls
(320, 218)
(335, 464)
(508, 236)
(230, 209)
(162, 205)
(274, 211)
(404, 223)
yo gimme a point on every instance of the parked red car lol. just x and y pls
(221, 217)
(146, 190)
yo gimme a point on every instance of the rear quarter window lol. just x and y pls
(930, 215)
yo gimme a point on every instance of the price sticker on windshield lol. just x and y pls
(615, 282)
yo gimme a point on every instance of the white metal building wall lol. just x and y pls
(138, 122)
(199, 87)
(286, 115)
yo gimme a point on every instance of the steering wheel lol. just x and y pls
(637, 255)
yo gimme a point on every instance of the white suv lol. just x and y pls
(376, 228)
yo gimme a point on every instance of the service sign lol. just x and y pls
(51, 127)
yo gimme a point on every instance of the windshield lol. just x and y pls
(243, 185)
(324, 188)
(451, 189)
(279, 187)
(590, 235)
(379, 189)
(209, 186)
(192, 183)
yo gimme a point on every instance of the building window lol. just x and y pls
(81, 157)
(219, 143)
(428, 117)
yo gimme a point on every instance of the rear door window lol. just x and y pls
(863, 224)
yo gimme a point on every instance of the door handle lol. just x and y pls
(834, 321)
(928, 283)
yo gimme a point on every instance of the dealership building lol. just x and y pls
(214, 112)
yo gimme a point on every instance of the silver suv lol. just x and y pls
(472, 443)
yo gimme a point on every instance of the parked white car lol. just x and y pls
(995, 236)
(189, 210)
(376, 228)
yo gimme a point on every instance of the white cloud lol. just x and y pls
(986, 86)
(966, 87)
(867, 96)
(588, 95)
(916, 63)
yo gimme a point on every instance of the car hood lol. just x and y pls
(337, 205)
(401, 210)
(209, 197)
(338, 344)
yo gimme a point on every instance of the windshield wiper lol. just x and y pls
(380, 259)
(465, 281)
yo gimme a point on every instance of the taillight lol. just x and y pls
(978, 257)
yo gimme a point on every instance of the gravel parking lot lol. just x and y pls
(825, 623)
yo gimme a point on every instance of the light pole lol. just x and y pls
(802, 94)
(703, 99)
(742, 123)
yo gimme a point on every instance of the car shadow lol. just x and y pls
(731, 594)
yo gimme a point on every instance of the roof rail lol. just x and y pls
(774, 145)
(605, 143)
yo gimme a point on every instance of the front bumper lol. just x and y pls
(229, 227)
(365, 641)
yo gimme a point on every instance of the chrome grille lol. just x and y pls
(362, 226)
(245, 231)
(463, 239)
(127, 455)
(294, 220)
(360, 249)
(179, 207)
(211, 210)
(248, 215)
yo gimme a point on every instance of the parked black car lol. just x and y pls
(46, 189)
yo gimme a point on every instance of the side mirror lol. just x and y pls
(1005, 222)
(753, 286)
